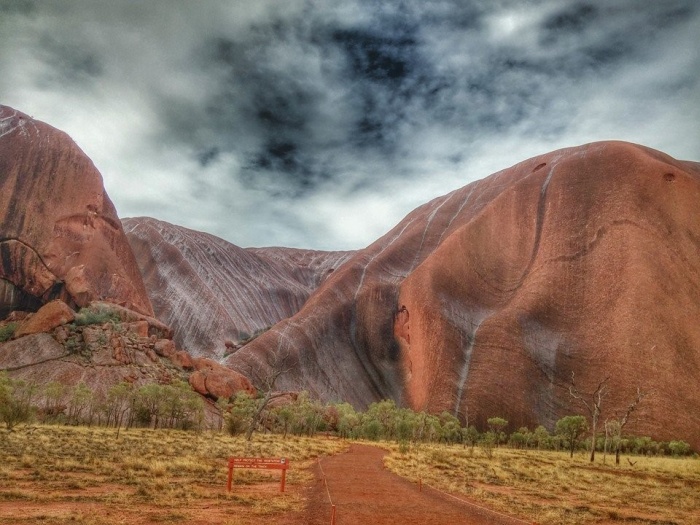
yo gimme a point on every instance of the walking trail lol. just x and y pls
(365, 492)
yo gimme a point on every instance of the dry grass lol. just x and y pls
(550, 488)
(85, 476)
(56, 475)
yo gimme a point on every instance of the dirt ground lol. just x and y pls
(364, 491)
(356, 481)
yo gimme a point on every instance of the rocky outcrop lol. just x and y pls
(100, 355)
(216, 295)
(483, 302)
(60, 235)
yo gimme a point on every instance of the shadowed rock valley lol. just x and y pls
(483, 302)
(217, 295)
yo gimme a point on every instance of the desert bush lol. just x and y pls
(7, 331)
(89, 315)
(679, 448)
(487, 442)
(239, 415)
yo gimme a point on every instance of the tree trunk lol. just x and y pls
(256, 417)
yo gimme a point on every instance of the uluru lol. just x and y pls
(61, 236)
(484, 302)
(580, 263)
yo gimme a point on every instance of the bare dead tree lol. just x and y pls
(264, 381)
(634, 404)
(592, 402)
(611, 427)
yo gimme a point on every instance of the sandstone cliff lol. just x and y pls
(483, 302)
(216, 295)
(60, 236)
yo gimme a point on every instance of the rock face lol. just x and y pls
(485, 301)
(60, 236)
(216, 295)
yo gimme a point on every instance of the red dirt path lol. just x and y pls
(365, 492)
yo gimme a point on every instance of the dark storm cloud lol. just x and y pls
(297, 121)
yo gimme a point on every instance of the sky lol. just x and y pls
(322, 123)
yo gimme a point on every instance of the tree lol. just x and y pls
(679, 448)
(496, 426)
(620, 424)
(521, 438)
(54, 394)
(119, 401)
(572, 429)
(264, 382)
(80, 399)
(180, 406)
(348, 420)
(149, 401)
(541, 437)
(15, 401)
(593, 403)
(451, 430)
(240, 413)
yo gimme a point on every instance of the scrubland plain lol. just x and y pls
(56, 475)
(549, 488)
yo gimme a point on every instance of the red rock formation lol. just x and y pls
(484, 301)
(49, 316)
(214, 293)
(215, 381)
(60, 236)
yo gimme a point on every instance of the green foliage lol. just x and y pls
(572, 428)
(80, 400)
(7, 331)
(372, 429)
(16, 398)
(239, 413)
(470, 435)
(496, 424)
(679, 448)
(177, 405)
(96, 315)
(488, 441)
(541, 438)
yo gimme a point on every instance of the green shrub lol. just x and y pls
(88, 316)
(679, 448)
(7, 331)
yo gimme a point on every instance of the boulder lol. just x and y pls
(182, 360)
(213, 380)
(165, 347)
(49, 316)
